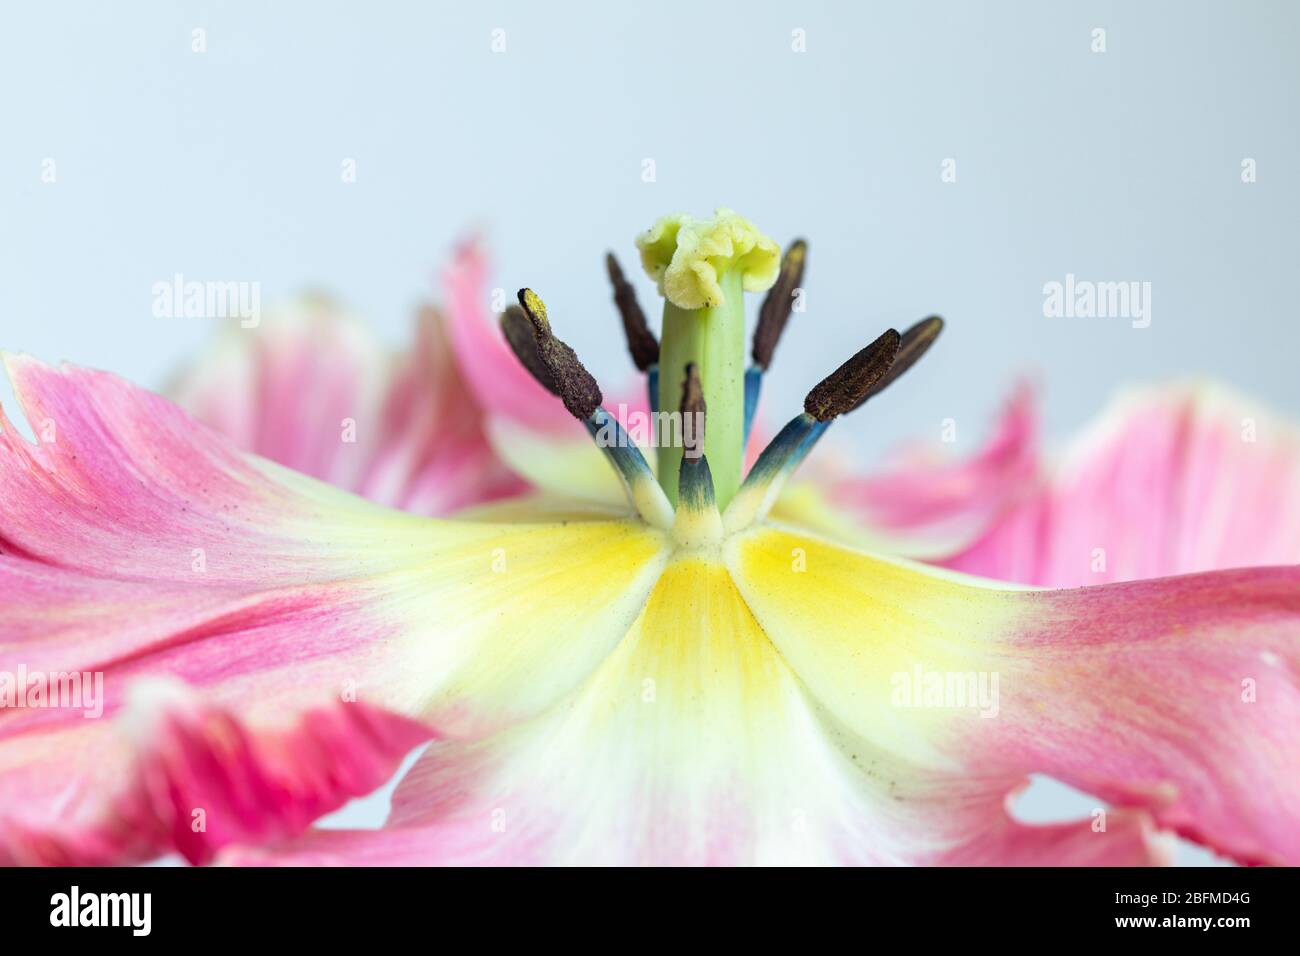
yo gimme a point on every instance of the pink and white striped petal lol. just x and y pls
(190, 776)
(288, 388)
(1177, 696)
(312, 389)
(434, 454)
(505, 388)
(1170, 481)
(137, 543)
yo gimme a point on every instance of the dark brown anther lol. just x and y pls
(573, 383)
(641, 342)
(779, 304)
(519, 334)
(916, 341)
(694, 412)
(843, 390)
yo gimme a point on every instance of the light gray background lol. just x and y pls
(1116, 166)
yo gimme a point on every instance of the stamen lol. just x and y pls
(779, 304)
(697, 522)
(767, 478)
(846, 388)
(639, 483)
(573, 383)
(581, 396)
(916, 342)
(519, 335)
(753, 386)
(693, 411)
(641, 342)
(772, 319)
(841, 391)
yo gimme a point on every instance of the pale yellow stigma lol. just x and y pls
(687, 257)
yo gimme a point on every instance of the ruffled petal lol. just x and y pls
(920, 507)
(501, 384)
(286, 389)
(1169, 481)
(1179, 696)
(136, 543)
(199, 777)
(434, 455)
(312, 389)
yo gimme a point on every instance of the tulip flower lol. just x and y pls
(697, 676)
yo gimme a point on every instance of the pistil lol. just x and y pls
(713, 340)
(703, 268)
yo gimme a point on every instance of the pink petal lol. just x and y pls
(1170, 481)
(501, 384)
(125, 466)
(434, 455)
(136, 543)
(1177, 696)
(311, 389)
(201, 778)
(284, 389)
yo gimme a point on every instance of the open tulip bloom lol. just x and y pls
(695, 656)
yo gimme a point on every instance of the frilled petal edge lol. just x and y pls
(136, 543)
